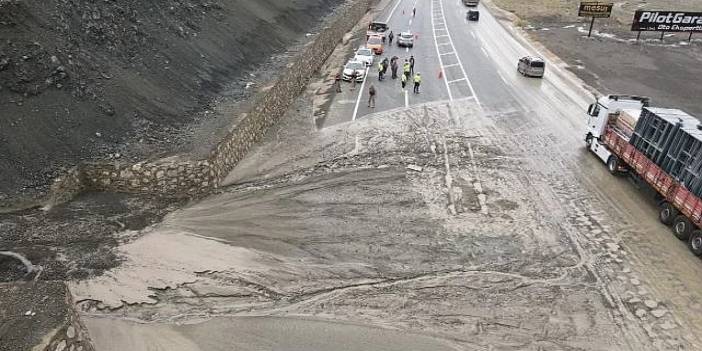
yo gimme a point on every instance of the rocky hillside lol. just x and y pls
(81, 78)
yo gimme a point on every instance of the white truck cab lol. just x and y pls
(599, 115)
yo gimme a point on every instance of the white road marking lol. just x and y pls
(451, 65)
(448, 34)
(393, 11)
(436, 45)
(406, 98)
(444, 44)
(472, 35)
(502, 77)
(446, 53)
(484, 51)
(440, 36)
(407, 49)
(363, 84)
(457, 80)
(358, 100)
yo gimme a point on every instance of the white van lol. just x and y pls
(531, 66)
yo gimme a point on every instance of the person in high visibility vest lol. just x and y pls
(406, 69)
(417, 82)
(381, 70)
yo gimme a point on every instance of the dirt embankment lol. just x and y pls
(613, 61)
(81, 79)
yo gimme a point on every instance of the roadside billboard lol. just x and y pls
(667, 21)
(595, 9)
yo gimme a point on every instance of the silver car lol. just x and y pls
(405, 39)
(531, 66)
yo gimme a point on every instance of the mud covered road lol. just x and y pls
(472, 222)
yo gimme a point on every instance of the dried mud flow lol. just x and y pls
(128, 80)
(442, 221)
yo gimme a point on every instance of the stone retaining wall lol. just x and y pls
(184, 177)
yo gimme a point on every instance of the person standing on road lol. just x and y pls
(393, 67)
(353, 80)
(371, 96)
(406, 69)
(337, 82)
(390, 36)
(417, 82)
(386, 65)
(403, 79)
(380, 70)
(411, 62)
(414, 11)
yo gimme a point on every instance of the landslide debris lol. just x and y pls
(122, 79)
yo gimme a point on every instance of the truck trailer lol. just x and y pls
(661, 147)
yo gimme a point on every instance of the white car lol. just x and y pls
(405, 39)
(364, 55)
(357, 66)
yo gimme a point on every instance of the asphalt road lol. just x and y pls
(461, 59)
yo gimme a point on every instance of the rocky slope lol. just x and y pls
(81, 79)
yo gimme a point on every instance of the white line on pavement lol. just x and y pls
(451, 65)
(502, 77)
(456, 80)
(406, 98)
(358, 100)
(463, 70)
(436, 45)
(393, 11)
(484, 51)
(446, 53)
(472, 35)
(444, 43)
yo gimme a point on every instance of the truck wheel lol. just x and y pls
(695, 242)
(667, 213)
(682, 227)
(588, 140)
(613, 165)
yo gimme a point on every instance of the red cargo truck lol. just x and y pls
(608, 137)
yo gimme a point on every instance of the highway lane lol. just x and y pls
(390, 94)
(464, 59)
